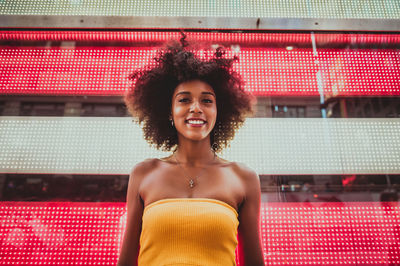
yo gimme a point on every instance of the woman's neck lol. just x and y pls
(194, 153)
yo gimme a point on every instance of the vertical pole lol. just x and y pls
(319, 75)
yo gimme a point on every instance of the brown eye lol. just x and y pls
(183, 100)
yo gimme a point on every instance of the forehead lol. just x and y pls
(194, 87)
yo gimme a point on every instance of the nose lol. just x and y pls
(195, 107)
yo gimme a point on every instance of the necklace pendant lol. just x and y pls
(191, 183)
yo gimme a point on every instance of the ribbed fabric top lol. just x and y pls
(188, 231)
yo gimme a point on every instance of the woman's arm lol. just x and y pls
(250, 252)
(130, 245)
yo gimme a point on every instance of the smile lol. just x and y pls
(195, 122)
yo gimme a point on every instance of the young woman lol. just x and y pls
(191, 207)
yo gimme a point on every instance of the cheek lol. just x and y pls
(215, 110)
(176, 110)
(179, 111)
(213, 114)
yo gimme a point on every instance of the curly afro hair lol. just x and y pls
(149, 98)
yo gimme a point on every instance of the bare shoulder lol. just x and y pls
(248, 176)
(243, 170)
(143, 168)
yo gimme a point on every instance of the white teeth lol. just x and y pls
(196, 122)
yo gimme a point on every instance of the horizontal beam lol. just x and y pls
(187, 22)
(111, 145)
(338, 15)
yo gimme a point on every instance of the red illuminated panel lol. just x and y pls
(105, 71)
(329, 39)
(60, 233)
(364, 72)
(248, 38)
(341, 233)
(101, 71)
(157, 37)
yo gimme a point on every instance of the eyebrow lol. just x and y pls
(204, 92)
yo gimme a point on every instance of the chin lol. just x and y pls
(195, 137)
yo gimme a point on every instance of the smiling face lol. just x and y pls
(194, 110)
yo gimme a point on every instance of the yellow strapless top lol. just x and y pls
(188, 231)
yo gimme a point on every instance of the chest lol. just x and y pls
(220, 183)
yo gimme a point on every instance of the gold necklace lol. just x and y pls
(192, 182)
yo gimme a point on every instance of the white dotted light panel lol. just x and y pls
(270, 146)
(64, 233)
(71, 145)
(338, 9)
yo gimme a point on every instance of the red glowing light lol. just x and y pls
(161, 37)
(340, 233)
(267, 71)
(249, 38)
